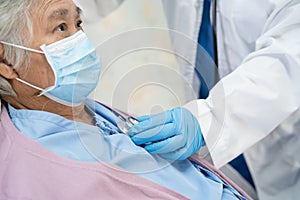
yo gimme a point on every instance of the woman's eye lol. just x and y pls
(62, 27)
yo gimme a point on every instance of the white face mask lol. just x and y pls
(76, 67)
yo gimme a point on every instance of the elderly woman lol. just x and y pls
(57, 144)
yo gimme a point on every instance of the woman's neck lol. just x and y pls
(77, 113)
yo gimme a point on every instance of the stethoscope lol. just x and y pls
(123, 121)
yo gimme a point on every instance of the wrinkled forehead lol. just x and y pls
(52, 9)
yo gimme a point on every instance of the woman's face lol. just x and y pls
(52, 20)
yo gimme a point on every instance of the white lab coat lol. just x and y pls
(255, 107)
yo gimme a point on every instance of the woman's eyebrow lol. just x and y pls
(63, 13)
(59, 14)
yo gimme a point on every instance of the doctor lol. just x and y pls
(254, 108)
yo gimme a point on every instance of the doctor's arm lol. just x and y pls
(245, 106)
(248, 104)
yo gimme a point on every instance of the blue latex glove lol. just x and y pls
(174, 134)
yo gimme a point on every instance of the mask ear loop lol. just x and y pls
(22, 47)
(29, 84)
(32, 50)
(33, 86)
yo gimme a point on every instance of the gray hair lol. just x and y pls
(15, 28)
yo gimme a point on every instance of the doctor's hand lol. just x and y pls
(174, 134)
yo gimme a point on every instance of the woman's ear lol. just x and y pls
(5, 70)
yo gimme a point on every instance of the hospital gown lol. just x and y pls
(105, 143)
